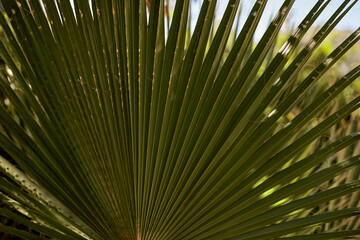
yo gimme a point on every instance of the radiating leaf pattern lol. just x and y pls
(124, 123)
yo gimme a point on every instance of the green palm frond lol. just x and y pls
(122, 122)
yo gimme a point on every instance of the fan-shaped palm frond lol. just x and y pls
(116, 127)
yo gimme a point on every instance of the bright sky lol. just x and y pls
(298, 12)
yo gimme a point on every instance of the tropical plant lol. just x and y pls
(117, 127)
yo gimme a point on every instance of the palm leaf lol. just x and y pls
(118, 127)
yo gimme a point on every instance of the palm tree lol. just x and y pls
(119, 128)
